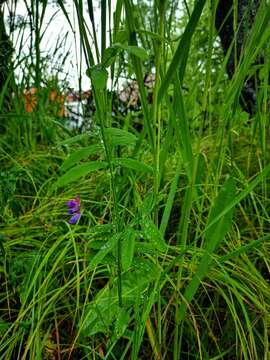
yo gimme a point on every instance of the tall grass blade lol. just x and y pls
(179, 60)
(212, 239)
(138, 69)
(240, 196)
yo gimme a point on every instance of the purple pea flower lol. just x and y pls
(74, 218)
(74, 209)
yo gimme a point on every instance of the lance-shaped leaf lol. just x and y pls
(81, 154)
(133, 164)
(79, 171)
(120, 137)
(152, 233)
(128, 245)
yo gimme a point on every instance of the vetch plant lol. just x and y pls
(74, 209)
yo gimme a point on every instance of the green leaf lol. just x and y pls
(153, 35)
(152, 233)
(236, 200)
(2, 241)
(109, 55)
(131, 26)
(74, 139)
(4, 326)
(216, 233)
(79, 155)
(143, 248)
(148, 204)
(201, 170)
(179, 59)
(120, 137)
(181, 125)
(101, 313)
(105, 249)
(170, 201)
(121, 322)
(244, 249)
(213, 237)
(99, 76)
(132, 164)
(100, 230)
(61, 3)
(78, 171)
(121, 36)
(128, 244)
(137, 51)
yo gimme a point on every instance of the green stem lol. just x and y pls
(102, 115)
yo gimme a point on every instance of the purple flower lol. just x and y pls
(73, 202)
(74, 209)
(74, 218)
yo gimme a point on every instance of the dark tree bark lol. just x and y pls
(6, 68)
(246, 13)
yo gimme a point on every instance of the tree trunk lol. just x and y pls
(246, 12)
(6, 68)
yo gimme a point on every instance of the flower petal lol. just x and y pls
(71, 203)
(74, 218)
(74, 210)
(74, 202)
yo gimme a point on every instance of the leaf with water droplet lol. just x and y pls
(104, 250)
(121, 322)
(152, 233)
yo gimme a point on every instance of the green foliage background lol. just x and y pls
(170, 258)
